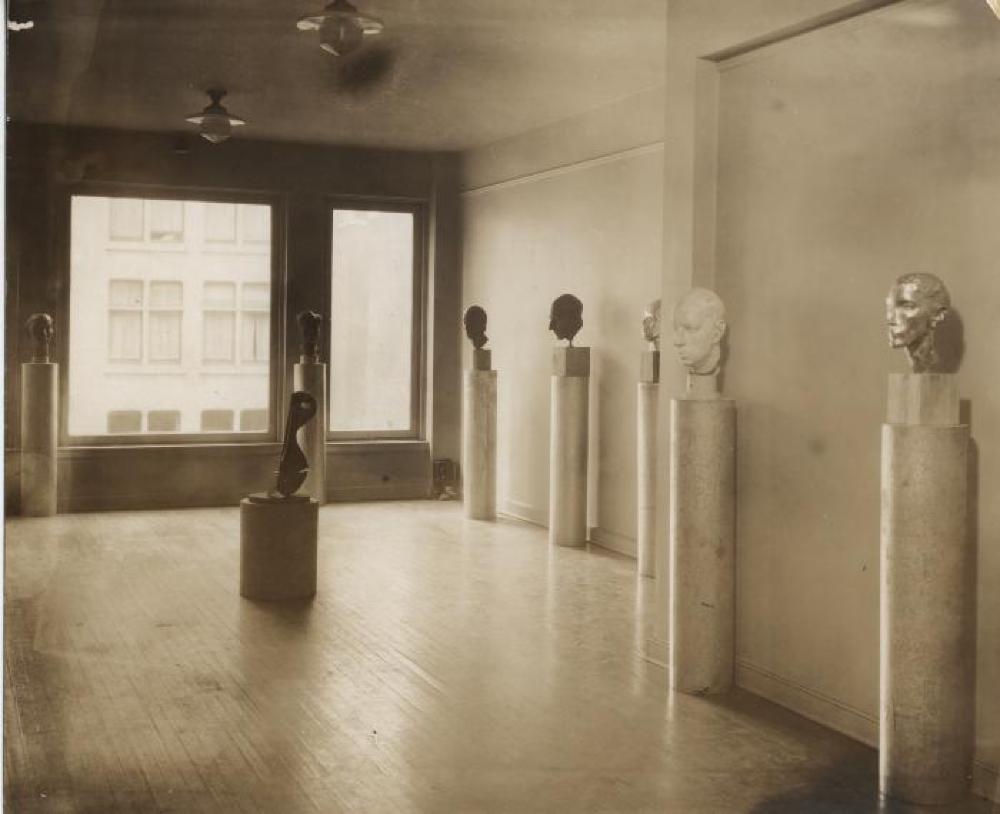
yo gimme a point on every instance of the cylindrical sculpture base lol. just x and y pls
(926, 714)
(39, 437)
(479, 444)
(568, 460)
(702, 530)
(311, 377)
(647, 399)
(278, 548)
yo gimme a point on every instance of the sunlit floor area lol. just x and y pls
(444, 666)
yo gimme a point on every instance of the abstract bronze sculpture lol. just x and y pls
(40, 328)
(566, 317)
(699, 325)
(915, 306)
(293, 466)
(651, 325)
(310, 328)
(475, 326)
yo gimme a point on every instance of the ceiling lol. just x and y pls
(444, 75)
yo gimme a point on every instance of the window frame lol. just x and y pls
(418, 209)
(276, 370)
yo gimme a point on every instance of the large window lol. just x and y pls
(170, 312)
(373, 384)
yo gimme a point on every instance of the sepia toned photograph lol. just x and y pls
(472, 406)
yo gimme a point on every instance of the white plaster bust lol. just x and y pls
(699, 325)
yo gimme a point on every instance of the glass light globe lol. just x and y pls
(215, 127)
(340, 35)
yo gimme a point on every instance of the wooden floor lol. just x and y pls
(444, 666)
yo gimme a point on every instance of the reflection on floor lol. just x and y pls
(444, 666)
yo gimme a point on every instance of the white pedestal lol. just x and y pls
(647, 399)
(311, 377)
(479, 444)
(702, 532)
(39, 437)
(568, 427)
(926, 710)
(278, 547)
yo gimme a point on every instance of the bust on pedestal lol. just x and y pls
(647, 401)
(569, 425)
(479, 427)
(926, 708)
(39, 422)
(309, 375)
(702, 505)
(278, 529)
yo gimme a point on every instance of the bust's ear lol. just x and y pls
(938, 317)
(720, 331)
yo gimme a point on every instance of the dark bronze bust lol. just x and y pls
(475, 326)
(916, 304)
(310, 328)
(566, 317)
(40, 329)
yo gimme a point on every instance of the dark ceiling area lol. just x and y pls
(443, 75)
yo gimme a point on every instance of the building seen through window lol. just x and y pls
(170, 309)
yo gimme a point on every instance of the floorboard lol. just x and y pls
(445, 665)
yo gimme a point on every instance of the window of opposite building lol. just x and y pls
(170, 317)
(374, 322)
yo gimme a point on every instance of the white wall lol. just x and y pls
(848, 156)
(575, 207)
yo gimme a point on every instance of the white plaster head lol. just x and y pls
(916, 304)
(699, 325)
(651, 324)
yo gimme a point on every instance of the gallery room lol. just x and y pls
(568, 406)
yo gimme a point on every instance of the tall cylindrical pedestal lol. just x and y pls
(568, 428)
(647, 399)
(479, 444)
(278, 547)
(702, 532)
(926, 714)
(39, 437)
(311, 377)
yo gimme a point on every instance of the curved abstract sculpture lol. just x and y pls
(475, 326)
(916, 304)
(310, 328)
(566, 317)
(699, 325)
(293, 465)
(40, 328)
(651, 325)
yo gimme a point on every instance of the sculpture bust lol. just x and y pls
(566, 317)
(40, 329)
(475, 326)
(699, 325)
(310, 328)
(651, 325)
(915, 306)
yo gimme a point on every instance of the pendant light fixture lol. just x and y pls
(215, 122)
(341, 27)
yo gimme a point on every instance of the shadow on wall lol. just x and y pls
(949, 340)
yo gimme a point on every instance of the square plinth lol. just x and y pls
(923, 398)
(571, 361)
(482, 359)
(649, 366)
